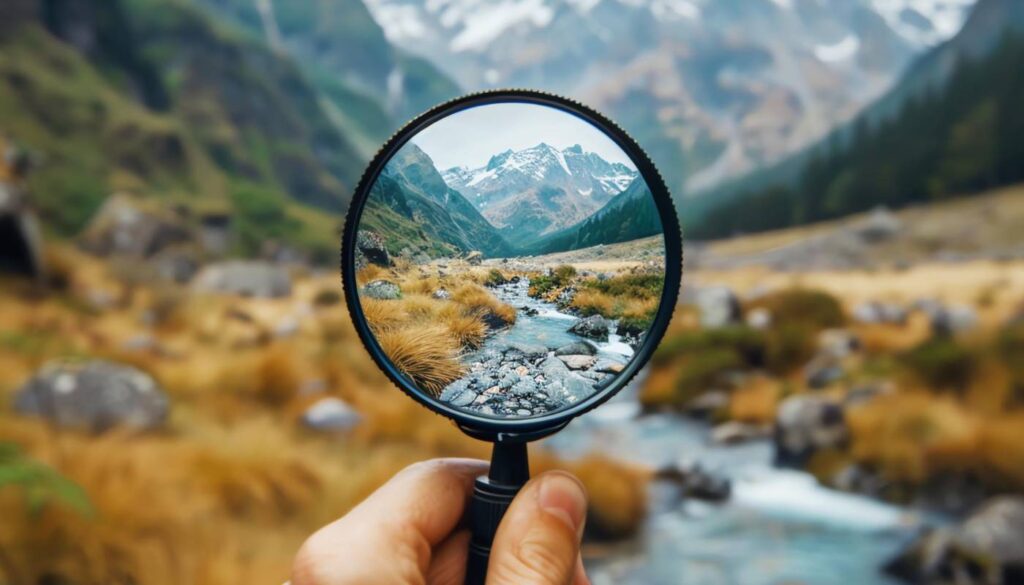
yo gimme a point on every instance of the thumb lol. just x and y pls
(538, 540)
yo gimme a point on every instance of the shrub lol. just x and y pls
(702, 371)
(941, 363)
(564, 273)
(747, 343)
(812, 308)
(327, 297)
(788, 346)
(636, 286)
(495, 278)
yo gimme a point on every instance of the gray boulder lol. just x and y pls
(593, 327)
(805, 424)
(880, 225)
(985, 549)
(370, 249)
(244, 277)
(382, 290)
(718, 306)
(127, 226)
(330, 414)
(952, 320)
(441, 294)
(475, 258)
(93, 396)
(22, 249)
(577, 348)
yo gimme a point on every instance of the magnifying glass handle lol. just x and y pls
(492, 495)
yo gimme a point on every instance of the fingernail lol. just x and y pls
(563, 497)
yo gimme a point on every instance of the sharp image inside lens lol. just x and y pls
(510, 260)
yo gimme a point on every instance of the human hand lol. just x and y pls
(408, 532)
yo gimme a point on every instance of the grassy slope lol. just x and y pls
(81, 116)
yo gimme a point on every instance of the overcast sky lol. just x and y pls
(470, 137)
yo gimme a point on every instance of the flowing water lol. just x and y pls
(549, 327)
(778, 527)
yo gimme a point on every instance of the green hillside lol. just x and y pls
(344, 52)
(154, 97)
(414, 210)
(630, 215)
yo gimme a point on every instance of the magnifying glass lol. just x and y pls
(510, 259)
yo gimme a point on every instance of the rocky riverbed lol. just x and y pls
(544, 362)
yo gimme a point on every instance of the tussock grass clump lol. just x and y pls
(371, 272)
(477, 300)
(424, 353)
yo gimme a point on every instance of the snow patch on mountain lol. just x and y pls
(841, 51)
(924, 22)
(488, 21)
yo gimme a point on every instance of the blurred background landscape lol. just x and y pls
(840, 398)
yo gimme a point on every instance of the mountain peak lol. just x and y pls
(574, 149)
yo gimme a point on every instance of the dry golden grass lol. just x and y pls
(757, 402)
(477, 300)
(424, 353)
(370, 273)
(231, 488)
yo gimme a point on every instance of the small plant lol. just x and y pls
(41, 484)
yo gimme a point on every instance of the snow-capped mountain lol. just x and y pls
(535, 191)
(710, 88)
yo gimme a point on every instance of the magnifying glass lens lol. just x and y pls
(510, 260)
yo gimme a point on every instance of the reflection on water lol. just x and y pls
(780, 526)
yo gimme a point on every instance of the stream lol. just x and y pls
(778, 527)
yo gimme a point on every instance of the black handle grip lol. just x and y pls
(492, 495)
(486, 509)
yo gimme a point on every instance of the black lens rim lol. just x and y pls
(671, 232)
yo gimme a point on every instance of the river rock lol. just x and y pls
(718, 306)
(822, 371)
(441, 294)
(985, 549)
(528, 351)
(953, 320)
(608, 366)
(577, 362)
(94, 396)
(838, 343)
(381, 289)
(697, 482)
(370, 249)
(593, 327)
(805, 424)
(875, 312)
(734, 432)
(759, 318)
(331, 414)
(708, 403)
(577, 348)
(247, 278)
